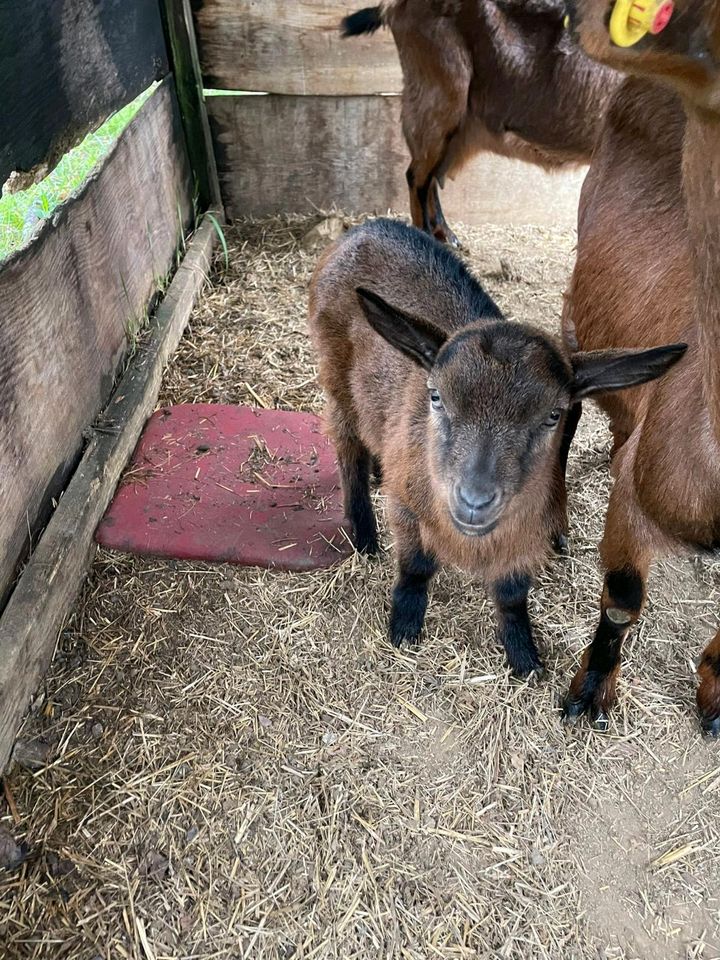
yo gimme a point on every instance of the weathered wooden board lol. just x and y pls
(69, 298)
(185, 64)
(291, 46)
(64, 66)
(280, 154)
(49, 584)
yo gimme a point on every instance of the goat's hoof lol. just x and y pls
(400, 640)
(710, 726)
(600, 722)
(533, 673)
(560, 545)
(367, 545)
(573, 710)
(445, 235)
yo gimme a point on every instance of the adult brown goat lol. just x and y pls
(648, 268)
(466, 413)
(496, 75)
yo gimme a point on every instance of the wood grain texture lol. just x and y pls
(49, 584)
(68, 299)
(298, 154)
(291, 46)
(65, 65)
(188, 85)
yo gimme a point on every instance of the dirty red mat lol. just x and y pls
(232, 484)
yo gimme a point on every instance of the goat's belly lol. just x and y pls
(693, 522)
(683, 503)
(676, 465)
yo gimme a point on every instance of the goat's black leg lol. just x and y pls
(626, 550)
(420, 185)
(423, 198)
(425, 208)
(560, 537)
(416, 568)
(377, 470)
(417, 212)
(438, 224)
(592, 690)
(355, 461)
(514, 631)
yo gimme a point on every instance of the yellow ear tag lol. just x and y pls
(631, 20)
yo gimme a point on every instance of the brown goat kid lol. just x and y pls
(495, 75)
(648, 268)
(466, 414)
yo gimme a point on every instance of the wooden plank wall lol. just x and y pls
(45, 592)
(69, 299)
(65, 65)
(291, 46)
(325, 136)
(278, 154)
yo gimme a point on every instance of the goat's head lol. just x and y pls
(498, 394)
(684, 52)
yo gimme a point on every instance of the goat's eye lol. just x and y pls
(435, 399)
(553, 419)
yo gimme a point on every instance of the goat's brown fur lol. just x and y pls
(500, 381)
(486, 75)
(648, 269)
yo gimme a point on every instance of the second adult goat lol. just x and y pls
(497, 75)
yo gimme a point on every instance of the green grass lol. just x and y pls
(21, 212)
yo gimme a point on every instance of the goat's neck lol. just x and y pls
(701, 178)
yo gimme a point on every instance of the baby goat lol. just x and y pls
(464, 411)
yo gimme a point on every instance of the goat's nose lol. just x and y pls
(476, 497)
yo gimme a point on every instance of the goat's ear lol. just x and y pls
(417, 339)
(600, 371)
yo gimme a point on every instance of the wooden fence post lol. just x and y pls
(185, 64)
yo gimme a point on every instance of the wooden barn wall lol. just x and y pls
(329, 132)
(65, 65)
(287, 154)
(291, 46)
(70, 299)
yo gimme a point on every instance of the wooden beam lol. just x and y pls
(49, 584)
(293, 47)
(72, 299)
(64, 67)
(185, 64)
(280, 154)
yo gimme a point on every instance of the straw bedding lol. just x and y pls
(234, 763)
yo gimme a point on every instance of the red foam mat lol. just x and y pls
(230, 484)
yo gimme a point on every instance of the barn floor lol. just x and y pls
(235, 764)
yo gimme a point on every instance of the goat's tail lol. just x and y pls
(367, 20)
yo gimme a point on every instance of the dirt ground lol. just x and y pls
(234, 763)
